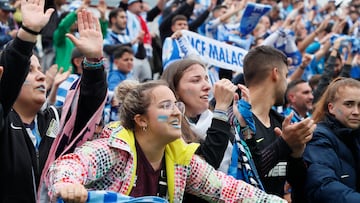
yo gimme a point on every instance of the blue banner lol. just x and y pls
(251, 16)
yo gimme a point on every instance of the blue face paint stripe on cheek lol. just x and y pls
(26, 82)
(339, 111)
(163, 118)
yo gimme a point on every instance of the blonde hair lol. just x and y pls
(330, 95)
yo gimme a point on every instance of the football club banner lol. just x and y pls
(251, 16)
(209, 50)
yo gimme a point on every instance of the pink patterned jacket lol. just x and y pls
(110, 164)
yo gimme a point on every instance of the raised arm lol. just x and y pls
(328, 73)
(93, 82)
(219, 133)
(15, 58)
(310, 38)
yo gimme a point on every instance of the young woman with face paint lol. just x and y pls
(143, 153)
(332, 156)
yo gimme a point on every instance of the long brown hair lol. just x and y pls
(330, 95)
(172, 74)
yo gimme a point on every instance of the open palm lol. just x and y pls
(90, 42)
(33, 15)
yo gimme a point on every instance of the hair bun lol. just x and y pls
(124, 88)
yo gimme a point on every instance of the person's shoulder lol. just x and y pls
(276, 115)
(324, 134)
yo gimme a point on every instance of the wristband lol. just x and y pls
(221, 115)
(220, 111)
(93, 64)
(30, 31)
(94, 60)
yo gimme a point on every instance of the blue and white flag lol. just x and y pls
(347, 40)
(203, 2)
(211, 51)
(284, 40)
(113, 197)
(251, 16)
(170, 52)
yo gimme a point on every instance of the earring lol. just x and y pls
(144, 128)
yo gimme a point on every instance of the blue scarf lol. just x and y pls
(242, 166)
(113, 197)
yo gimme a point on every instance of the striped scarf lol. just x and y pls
(242, 166)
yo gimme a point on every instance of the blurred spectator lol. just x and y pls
(334, 67)
(17, 14)
(8, 26)
(314, 81)
(285, 8)
(118, 36)
(176, 8)
(274, 14)
(48, 57)
(123, 61)
(136, 24)
(299, 99)
(171, 22)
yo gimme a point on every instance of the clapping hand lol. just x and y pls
(296, 135)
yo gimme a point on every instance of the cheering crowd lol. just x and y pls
(91, 99)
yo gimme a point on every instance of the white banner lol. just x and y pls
(211, 51)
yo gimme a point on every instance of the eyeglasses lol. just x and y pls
(169, 105)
